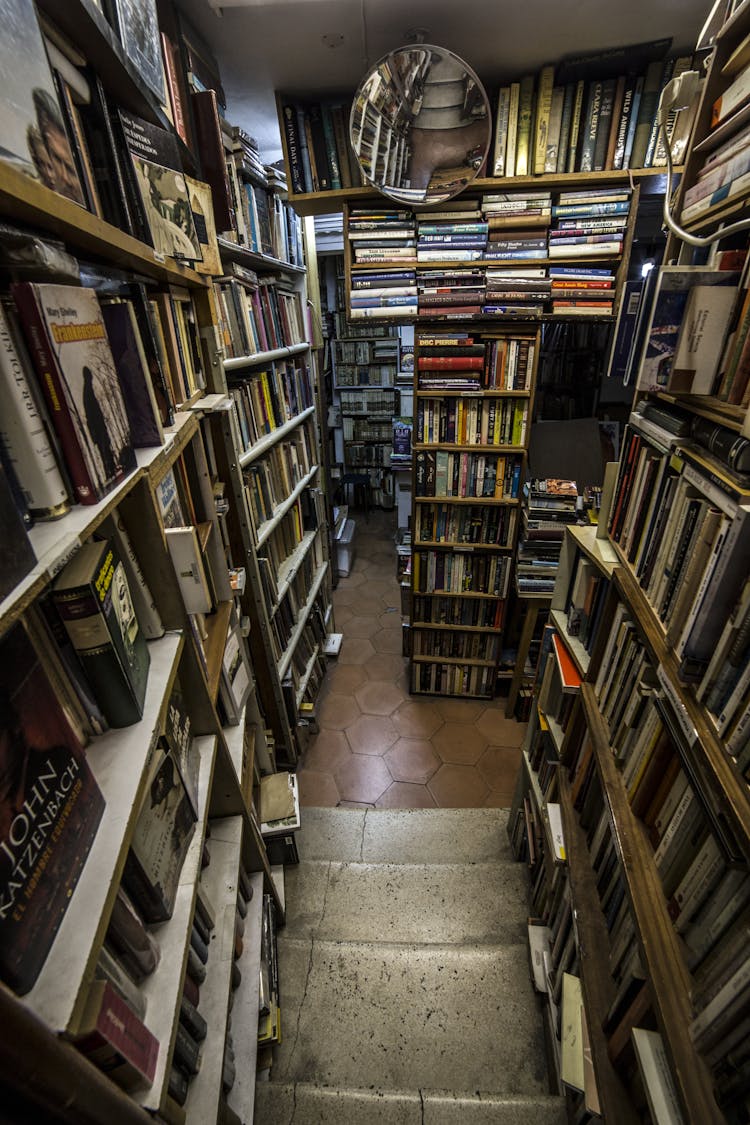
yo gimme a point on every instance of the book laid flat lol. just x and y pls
(50, 809)
(68, 342)
(93, 599)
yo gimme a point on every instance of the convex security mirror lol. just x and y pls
(420, 125)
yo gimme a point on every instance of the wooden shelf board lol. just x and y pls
(217, 625)
(660, 949)
(449, 694)
(220, 881)
(266, 528)
(477, 448)
(290, 565)
(455, 628)
(163, 988)
(257, 359)
(28, 201)
(600, 551)
(450, 545)
(421, 658)
(203, 531)
(244, 256)
(118, 760)
(241, 1097)
(437, 393)
(262, 445)
(511, 502)
(593, 948)
(454, 594)
(305, 678)
(477, 263)
(723, 413)
(283, 664)
(580, 656)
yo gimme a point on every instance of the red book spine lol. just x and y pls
(119, 1036)
(211, 147)
(450, 362)
(175, 99)
(54, 391)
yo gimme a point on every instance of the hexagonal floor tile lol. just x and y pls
(499, 799)
(352, 580)
(345, 595)
(363, 778)
(338, 711)
(361, 626)
(391, 619)
(379, 697)
(387, 640)
(412, 759)
(366, 606)
(459, 744)
(345, 678)
(382, 587)
(384, 666)
(498, 730)
(415, 719)
(460, 710)
(329, 751)
(371, 734)
(498, 766)
(458, 787)
(343, 613)
(402, 795)
(317, 790)
(356, 651)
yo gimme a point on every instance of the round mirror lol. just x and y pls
(420, 125)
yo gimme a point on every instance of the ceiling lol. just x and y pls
(267, 45)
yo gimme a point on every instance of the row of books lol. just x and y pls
(453, 523)
(286, 610)
(369, 403)
(436, 610)
(303, 517)
(273, 477)
(369, 455)
(588, 591)
(459, 360)
(268, 399)
(444, 474)
(362, 430)
(548, 504)
(456, 646)
(561, 120)
(436, 572)
(476, 422)
(320, 157)
(470, 680)
(681, 524)
(257, 314)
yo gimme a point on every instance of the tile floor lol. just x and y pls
(378, 746)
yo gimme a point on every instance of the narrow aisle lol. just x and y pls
(378, 746)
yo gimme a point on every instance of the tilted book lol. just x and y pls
(68, 342)
(115, 1039)
(49, 814)
(93, 599)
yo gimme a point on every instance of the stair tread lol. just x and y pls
(308, 1104)
(391, 1015)
(451, 903)
(404, 835)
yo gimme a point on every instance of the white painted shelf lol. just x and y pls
(262, 445)
(289, 567)
(286, 659)
(266, 528)
(241, 1097)
(259, 358)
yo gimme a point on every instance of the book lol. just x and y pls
(657, 1077)
(162, 835)
(32, 135)
(50, 812)
(133, 373)
(67, 339)
(93, 599)
(112, 1036)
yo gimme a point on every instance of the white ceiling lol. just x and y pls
(267, 45)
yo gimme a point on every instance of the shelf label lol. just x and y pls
(678, 707)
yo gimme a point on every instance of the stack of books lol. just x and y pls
(549, 504)
(450, 361)
(516, 291)
(589, 223)
(505, 210)
(448, 236)
(379, 235)
(450, 292)
(582, 290)
(390, 292)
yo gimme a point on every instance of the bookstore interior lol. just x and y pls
(492, 303)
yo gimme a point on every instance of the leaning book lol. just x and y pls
(70, 351)
(93, 599)
(50, 809)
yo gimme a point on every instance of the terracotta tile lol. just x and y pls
(329, 750)
(412, 759)
(391, 619)
(337, 711)
(366, 606)
(379, 697)
(498, 730)
(459, 743)
(499, 799)
(357, 804)
(382, 587)
(361, 626)
(402, 795)
(371, 734)
(356, 651)
(342, 614)
(384, 666)
(459, 710)
(458, 787)
(499, 766)
(345, 678)
(387, 640)
(317, 790)
(345, 596)
(417, 719)
(363, 779)
(353, 580)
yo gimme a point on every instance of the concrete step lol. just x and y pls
(404, 835)
(305, 1104)
(403, 1016)
(477, 903)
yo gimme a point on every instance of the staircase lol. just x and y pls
(405, 994)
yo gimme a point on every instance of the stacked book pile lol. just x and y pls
(517, 224)
(549, 504)
(457, 233)
(582, 290)
(379, 235)
(457, 292)
(589, 223)
(388, 292)
(450, 361)
(516, 291)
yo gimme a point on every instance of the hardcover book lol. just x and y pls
(160, 842)
(50, 809)
(32, 131)
(67, 338)
(138, 28)
(93, 599)
(114, 1038)
(132, 370)
(163, 188)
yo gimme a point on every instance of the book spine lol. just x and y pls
(589, 127)
(304, 146)
(54, 391)
(293, 146)
(510, 151)
(575, 126)
(501, 131)
(330, 143)
(604, 121)
(542, 122)
(525, 114)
